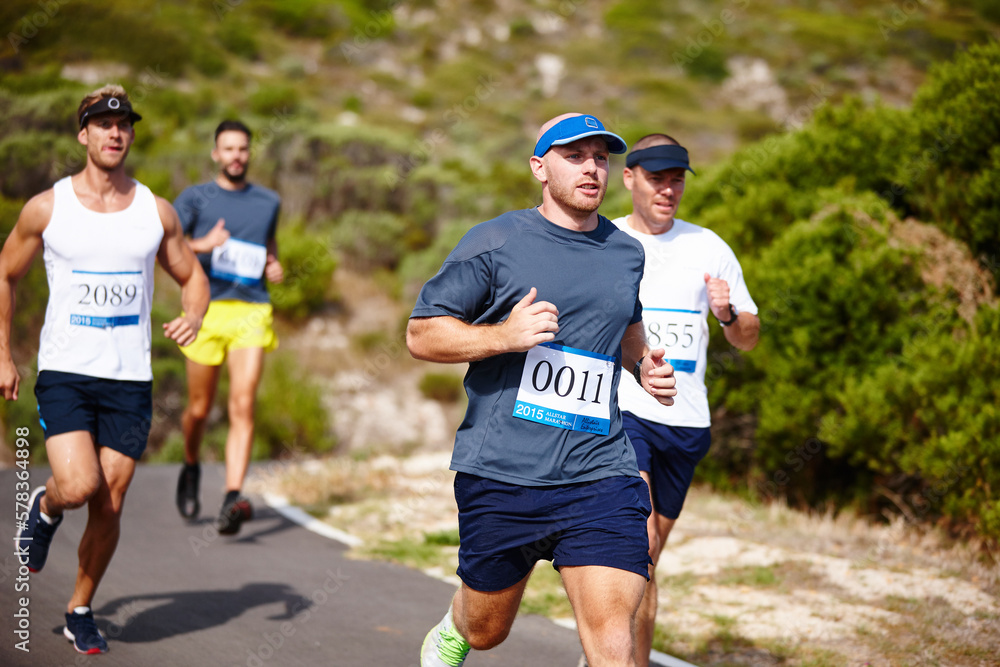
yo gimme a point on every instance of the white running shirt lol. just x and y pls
(675, 315)
(100, 272)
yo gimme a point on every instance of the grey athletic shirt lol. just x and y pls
(593, 280)
(251, 215)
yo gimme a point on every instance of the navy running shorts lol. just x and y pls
(505, 528)
(117, 413)
(669, 454)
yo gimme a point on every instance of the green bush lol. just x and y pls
(307, 259)
(953, 163)
(370, 240)
(443, 387)
(928, 422)
(238, 38)
(274, 99)
(291, 417)
(442, 538)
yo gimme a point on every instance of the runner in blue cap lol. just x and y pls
(543, 304)
(690, 273)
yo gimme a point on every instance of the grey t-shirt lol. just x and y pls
(251, 216)
(593, 279)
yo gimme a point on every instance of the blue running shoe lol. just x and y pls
(36, 535)
(82, 631)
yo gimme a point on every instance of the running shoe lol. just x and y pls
(187, 491)
(443, 648)
(36, 533)
(233, 514)
(82, 631)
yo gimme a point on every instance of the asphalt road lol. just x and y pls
(179, 594)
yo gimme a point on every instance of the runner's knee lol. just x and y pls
(198, 409)
(613, 640)
(486, 636)
(76, 492)
(241, 406)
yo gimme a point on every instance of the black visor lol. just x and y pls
(108, 105)
(658, 158)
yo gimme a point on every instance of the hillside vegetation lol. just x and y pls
(848, 152)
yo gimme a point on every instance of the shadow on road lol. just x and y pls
(155, 616)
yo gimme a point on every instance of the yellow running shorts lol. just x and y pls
(232, 325)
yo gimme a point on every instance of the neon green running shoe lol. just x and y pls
(443, 648)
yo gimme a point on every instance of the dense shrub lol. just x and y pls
(953, 163)
(291, 417)
(308, 261)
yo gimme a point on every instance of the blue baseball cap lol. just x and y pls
(570, 129)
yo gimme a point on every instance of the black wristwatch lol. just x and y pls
(637, 371)
(734, 314)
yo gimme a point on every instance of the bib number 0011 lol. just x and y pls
(566, 388)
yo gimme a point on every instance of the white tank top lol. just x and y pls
(100, 273)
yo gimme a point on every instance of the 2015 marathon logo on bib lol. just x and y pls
(566, 388)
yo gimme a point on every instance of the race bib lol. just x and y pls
(566, 388)
(106, 299)
(239, 262)
(678, 331)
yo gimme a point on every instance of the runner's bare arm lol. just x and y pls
(178, 260)
(657, 375)
(22, 245)
(448, 339)
(273, 270)
(215, 237)
(745, 331)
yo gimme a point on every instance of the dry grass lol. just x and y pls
(739, 584)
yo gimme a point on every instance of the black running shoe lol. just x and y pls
(36, 534)
(233, 514)
(187, 491)
(82, 631)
